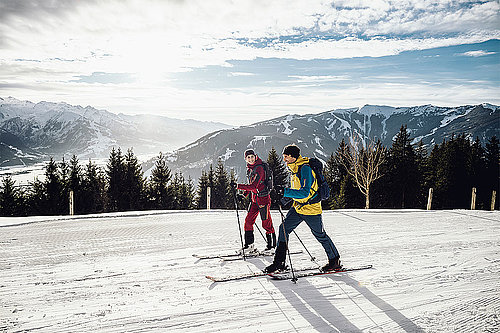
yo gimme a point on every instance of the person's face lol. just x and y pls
(288, 159)
(250, 159)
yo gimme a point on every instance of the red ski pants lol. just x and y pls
(265, 215)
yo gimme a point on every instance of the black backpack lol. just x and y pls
(323, 191)
(267, 181)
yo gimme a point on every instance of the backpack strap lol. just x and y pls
(308, 202)
(262, 179)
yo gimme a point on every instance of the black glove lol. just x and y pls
(280, 190)
(233, 185)
(285, 201)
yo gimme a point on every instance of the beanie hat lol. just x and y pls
(292, 150)
(249, 152)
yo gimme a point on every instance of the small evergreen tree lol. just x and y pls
(160, 193)
(115, 173)
(36, 198)
(133, 183)
(421, 159)
(278, 168)
(492, 169)
(403, 173)
(74, 183)
(10, 198)
(57, 201)
(201, 194)
(93, 189)
(222, 197)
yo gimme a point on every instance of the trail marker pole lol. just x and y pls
(71, 203)
(429, 199)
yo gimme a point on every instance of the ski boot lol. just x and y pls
(333, 265)
(279, 259)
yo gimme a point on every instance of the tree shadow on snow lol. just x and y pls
(321, 313)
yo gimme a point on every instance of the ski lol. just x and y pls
(236, 256)
(300, 274)
(255, 255)
(251, 275)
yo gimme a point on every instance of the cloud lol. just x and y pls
(478, 53)
(104, 78)
(98, 51)
(317, 78)
(241, 74)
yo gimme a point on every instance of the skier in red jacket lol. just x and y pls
(261, 201)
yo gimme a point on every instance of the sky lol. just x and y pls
(244, 61)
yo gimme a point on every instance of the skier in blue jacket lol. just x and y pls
(304, 186)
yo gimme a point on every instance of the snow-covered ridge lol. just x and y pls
(55, 129)
(387, 111)
(320, 134)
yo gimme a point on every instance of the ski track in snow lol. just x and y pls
(434, 271)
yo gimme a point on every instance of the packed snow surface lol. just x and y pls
(434, 271)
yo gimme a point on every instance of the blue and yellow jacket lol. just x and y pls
(303, 187)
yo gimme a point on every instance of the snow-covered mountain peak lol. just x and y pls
(490, 106)
(386, 111)
(55, 129)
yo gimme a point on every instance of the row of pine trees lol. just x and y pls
(451, 168)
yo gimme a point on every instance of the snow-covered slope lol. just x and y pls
(29, 131)
(434, 271)
(319, 134)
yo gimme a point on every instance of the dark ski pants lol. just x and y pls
(265, 215)
(315, 223)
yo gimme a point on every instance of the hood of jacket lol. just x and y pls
(294, 167)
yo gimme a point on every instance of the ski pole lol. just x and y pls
(313, 259)
(265, 239)
(294, 279)
(239, 226)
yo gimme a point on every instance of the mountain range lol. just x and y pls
(318, 135)
(31, 132)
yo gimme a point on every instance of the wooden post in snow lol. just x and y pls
(473, 199)
(493, 198)
(71, 203)
(208, 198)
(429, 199)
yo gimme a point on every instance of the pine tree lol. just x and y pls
(176, 190)
(403, 172)
(133, 183)
(159, 191)
(450, 176)
(183, 192)
(115, 180)
(63, 170)
(93, 190)
(189, 193)
(201, 194)
(222, 197)
(421, 159)
(10, 198)
(280, 175)
(492, 169)
(36, 198)
(57, 202)
(74, 183)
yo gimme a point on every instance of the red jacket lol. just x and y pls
(256, 175)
